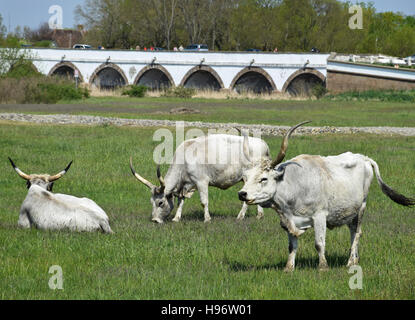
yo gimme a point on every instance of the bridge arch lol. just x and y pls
(154, 77)
(65, 69)
(254, 79)
(303, 81)
(108, 76)
(202, 77)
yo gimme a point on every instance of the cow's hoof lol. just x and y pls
(352, 262)
(323, 267)
(208, 220)
(289, 269)
(176, 220)
(240, 217)
(260, 216)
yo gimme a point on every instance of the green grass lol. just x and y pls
(375, 95)
(322, 113)
(226, 259)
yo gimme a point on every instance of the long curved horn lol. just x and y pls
(284, 145)
(245, 146)
(160, 177)
(247, 154)
(60, 174)
(140, 178)
(19, 172)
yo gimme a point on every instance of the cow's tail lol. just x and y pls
(392, 194)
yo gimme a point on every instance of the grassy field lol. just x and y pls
(248, 111)
(226, 259)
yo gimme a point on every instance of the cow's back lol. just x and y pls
(338, 184)
(218, 158)
(57, 211)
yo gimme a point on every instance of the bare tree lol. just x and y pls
(166, 11)
(103, 19)
(3, 29)
(195, 18)
(43, 32)
(219, 14)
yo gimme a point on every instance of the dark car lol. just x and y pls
(412, 58)
(253, 50)
(197, 47)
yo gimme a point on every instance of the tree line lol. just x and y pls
(237, 25)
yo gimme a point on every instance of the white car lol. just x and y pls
(390, 60)
(82, 46)
(410, 57)
(398, 61)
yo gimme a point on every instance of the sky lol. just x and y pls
(34, 12)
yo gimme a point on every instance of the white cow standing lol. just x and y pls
(216, 160)
(315, 191)
(45, 210)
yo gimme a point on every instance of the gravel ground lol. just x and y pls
(265, 129)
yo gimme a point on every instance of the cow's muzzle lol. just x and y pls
(157, 220)
(242, 195)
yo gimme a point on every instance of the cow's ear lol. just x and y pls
(280, 170)
(157, 191)
(169, 196)
(279, 173)
(50, 187)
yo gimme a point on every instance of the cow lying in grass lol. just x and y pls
(45, 210)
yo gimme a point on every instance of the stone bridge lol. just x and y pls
(239, 71)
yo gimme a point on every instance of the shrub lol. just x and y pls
(13, 60)
(53, 92)
(179, 92)
(43, 44)
(375, 95)
(319, 91)
(39, 90)
(22, 69)
(135, 91)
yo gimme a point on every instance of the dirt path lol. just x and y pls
(64, 119)
(73, 108)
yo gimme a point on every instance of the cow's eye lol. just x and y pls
(264, 180)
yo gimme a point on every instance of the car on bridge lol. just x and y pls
(82, 46)
(197, 47)
(412, 58)
(390, 60)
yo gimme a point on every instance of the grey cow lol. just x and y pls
(315, 191)
(216, 160)
(45, 210)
